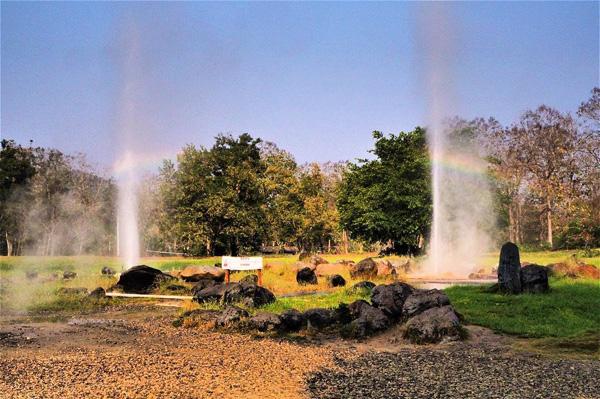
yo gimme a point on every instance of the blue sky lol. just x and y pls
(316, 78)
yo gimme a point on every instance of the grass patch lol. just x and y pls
(305, 302)
(71, 303)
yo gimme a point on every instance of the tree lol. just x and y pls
(389, 198)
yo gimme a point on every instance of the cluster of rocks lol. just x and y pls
(514, 279)
(425, 315)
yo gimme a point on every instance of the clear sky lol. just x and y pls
(316, 78)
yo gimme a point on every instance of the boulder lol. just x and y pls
(249, 279)
(390, 298)
(385, 268)
(319, 318)
(250, 295)
(509, 269)
(230, 316)
(366, 320)
(366, 268)
(341, 314)
(265, 322)
(107, 271)
(329, 269)
(434, 325)
(75, 291)
(290, 250)
(306, 276)
(534, 279)
(317, 260)
(176, 288)
(97, 293)
(336, 281)
(588, 271)
(202, 284)
(576, 270)
(363, 286)
(69, 275)
(141, 279)
(291, 321)
(196, 273)
(421, 300)
(212, 293)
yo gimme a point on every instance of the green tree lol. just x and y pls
(388, 199)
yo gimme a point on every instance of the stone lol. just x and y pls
(291, 321)
(366, 268)
(390, 298)
(141, 279)
(509, 269)
(317, 260)
(107, 271)
(341, 314)
(385, 268)
(212, 293)
(366, 320)
(319, 318)
(249, 279)
(306, 276)
(69, 275)
(434, 325)
(421, 300)
(98, 293)
(588, 271)
(250, 295)
(194, 273)
(290, 250)
(336, 281)
(265, 321)
(75, 291)
(363, 286)
(534, 279)
(177, 288)
(202, 284)
(230, 316)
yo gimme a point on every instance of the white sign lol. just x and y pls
(242, 262)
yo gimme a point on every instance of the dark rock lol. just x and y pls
(31, 274)
(69, 275)
(270, 249)
(336, 281)
(421, 300)
(342, 314)
(366, 268)
(290, 250)
(76, 291)
(319, 318)
(390, 298)
(176, 288)
(265, 322)
(213, 293)
(363, 286)
(509, 269)
(142, 279)
(230, 315)
(97, 293)
(202, 284)
(247, 294)
(317, 260)
(107, 271)
(434, 325)
(534, 279)
(291, 321)
(366, 320)
(250, 279)
(195, 273)
(306, 276)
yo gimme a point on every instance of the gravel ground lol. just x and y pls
(456, 373)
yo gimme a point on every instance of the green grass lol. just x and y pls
(305, 302)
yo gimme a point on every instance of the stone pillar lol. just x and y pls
(509, 269)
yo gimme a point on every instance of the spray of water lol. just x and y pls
(462, 216)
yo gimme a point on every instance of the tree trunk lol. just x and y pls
(549, 221)
(9, 245)
(511, 224)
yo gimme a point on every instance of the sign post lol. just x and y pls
(242, 263)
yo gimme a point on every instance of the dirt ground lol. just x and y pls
(135, 352)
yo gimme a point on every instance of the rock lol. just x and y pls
(421, 300)
(97, 293)
(291, 321)
(366, 268)
(317, 260)
(265, 322)
(390, 298)
(31, 274)
(250, 295)
(363, 286)
(176, 288)
(341, 314)
(534, 279)
(75, 291)
(107, 271)
(319, 318)
(290, 250)
(509, 269)
(385, 268)
(202, 284)
(366, 320)
(250, 279)
(329, 269)
(212, 293)
(336, 281)
(588, 271)
(141, 279)
(69, 275)
(577, 270)
(229, 316)
(270, 249)
(306, 276)
(434, 325)
(196, 273)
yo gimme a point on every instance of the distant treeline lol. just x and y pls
(243, 194)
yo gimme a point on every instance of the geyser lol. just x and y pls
(127, 225)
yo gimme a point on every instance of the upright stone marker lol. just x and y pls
(509, 269)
